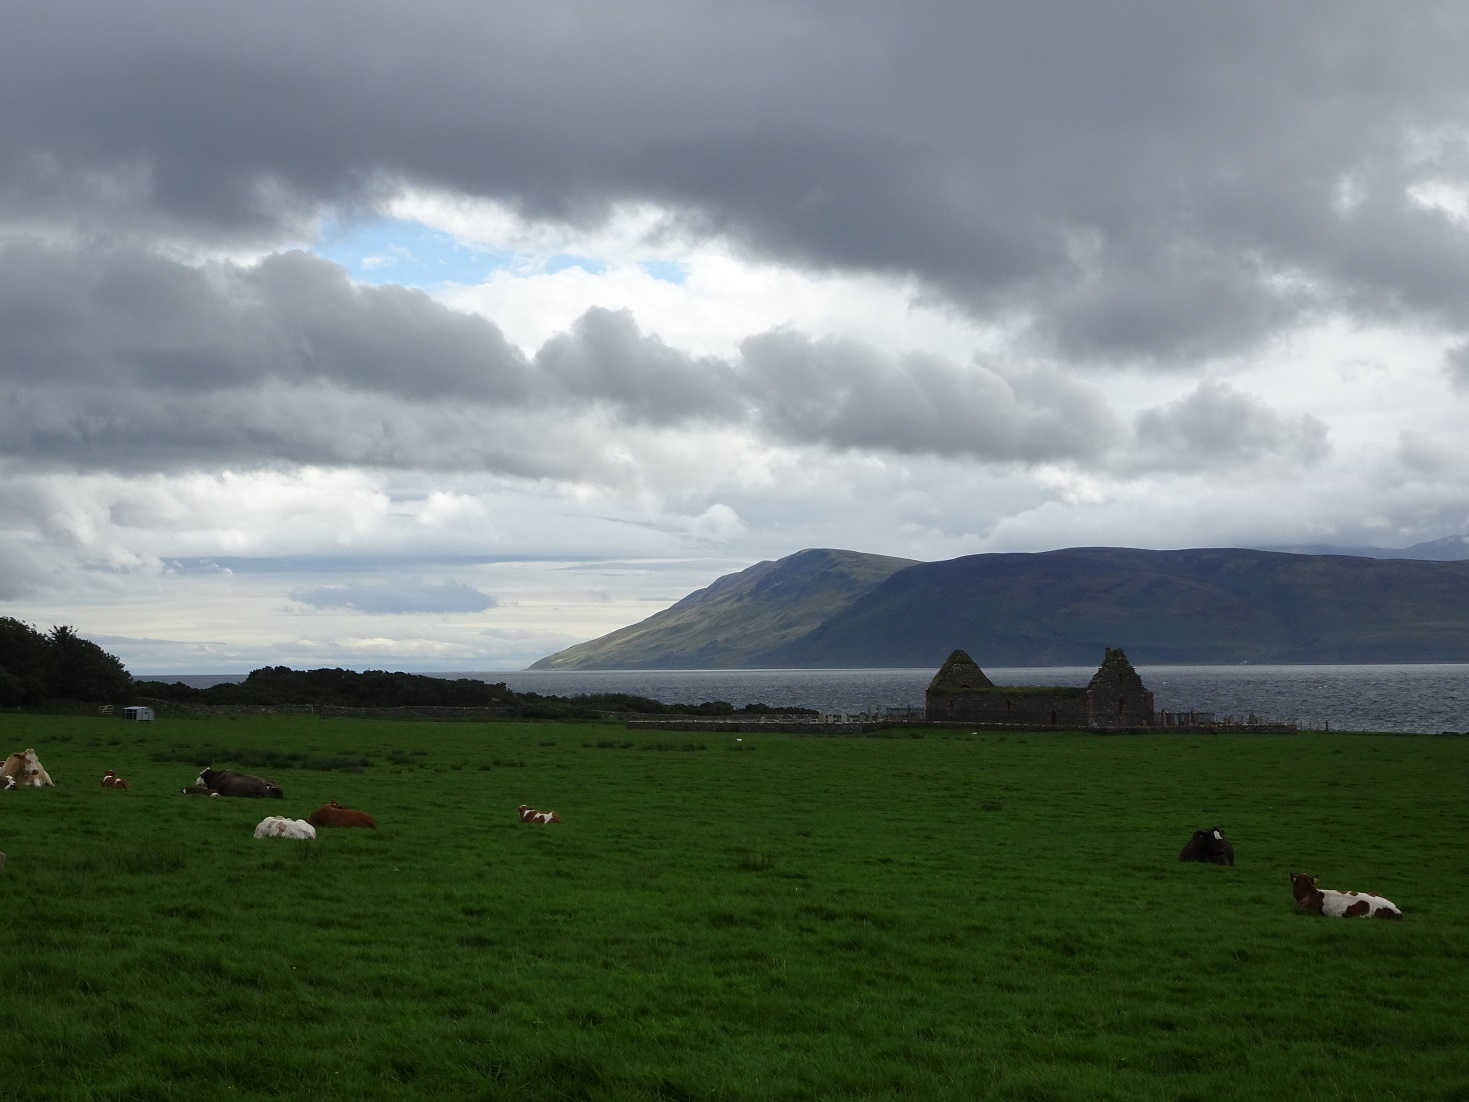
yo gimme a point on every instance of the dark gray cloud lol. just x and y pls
(1217, 427)
(127, 316)
(605, 356)
(843, 395)
(1149, 182)
(398, 597)
(116, 358)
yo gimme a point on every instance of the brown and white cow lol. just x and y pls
(26, 770)
(529, 814)
(333, 814)
(1313, 898)
(112, 780)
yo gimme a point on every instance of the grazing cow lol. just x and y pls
(1323, 901)
(226, 783)
(529, 814)
(26, 770)
(1210, 846)
(112, 780)
(278, 826)
(333, 814)
(196, 790)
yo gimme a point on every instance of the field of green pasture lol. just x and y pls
(932, 915)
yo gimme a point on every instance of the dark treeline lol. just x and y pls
(281, 685)
(38, 668)
(61, 665)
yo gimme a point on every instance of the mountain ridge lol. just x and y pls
(828, 608)
(737, 615)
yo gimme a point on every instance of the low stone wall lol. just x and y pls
(858, 727)
(789, 725)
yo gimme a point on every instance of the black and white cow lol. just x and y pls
(1210, 846)
(223, 782)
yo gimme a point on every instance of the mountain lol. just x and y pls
(1204, 605)
(1448, 549)
(740, 616)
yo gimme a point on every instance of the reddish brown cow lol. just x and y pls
(333, 814)
(112, 780)
(529, 814)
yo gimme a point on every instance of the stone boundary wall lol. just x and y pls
(856, 727)
(743, 725)
(184, 709)
(748, 726)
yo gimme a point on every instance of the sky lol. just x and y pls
(443, 336)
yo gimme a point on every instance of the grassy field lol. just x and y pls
(931, 915)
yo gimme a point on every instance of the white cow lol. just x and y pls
(278, 826)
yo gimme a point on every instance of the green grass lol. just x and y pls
(948, 916)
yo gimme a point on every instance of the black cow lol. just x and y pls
(1208, 845)
(225, 783)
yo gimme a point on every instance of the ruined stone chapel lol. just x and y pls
(1114, 698)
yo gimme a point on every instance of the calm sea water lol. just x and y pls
(1427, 698)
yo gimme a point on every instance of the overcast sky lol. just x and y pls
(442, 336)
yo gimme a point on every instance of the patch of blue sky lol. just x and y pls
(392, 250)
(561, 261)
(669, 271)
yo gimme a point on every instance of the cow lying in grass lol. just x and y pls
(529, 814)
(1210, 846)
(278, 826)
(25, 770)
(223, 782)
(333, 814)
(112, 780)
(1323, 901)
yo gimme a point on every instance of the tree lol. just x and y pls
(84, 671)
(26, 663)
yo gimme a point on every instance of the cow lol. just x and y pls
(1313, 899)
(278, 826)
(1210, 846)
(26, 770)
(226, 783)
(112, 780)
(333, 814)
(529, 814)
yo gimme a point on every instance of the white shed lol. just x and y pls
(139, 712)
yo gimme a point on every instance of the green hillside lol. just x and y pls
(1203, 605)
(1212, 605)
(739, 617)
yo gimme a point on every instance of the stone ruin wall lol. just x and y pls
(1114, 698)
(1065, 708)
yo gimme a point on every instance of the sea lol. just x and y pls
(1426, 698)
